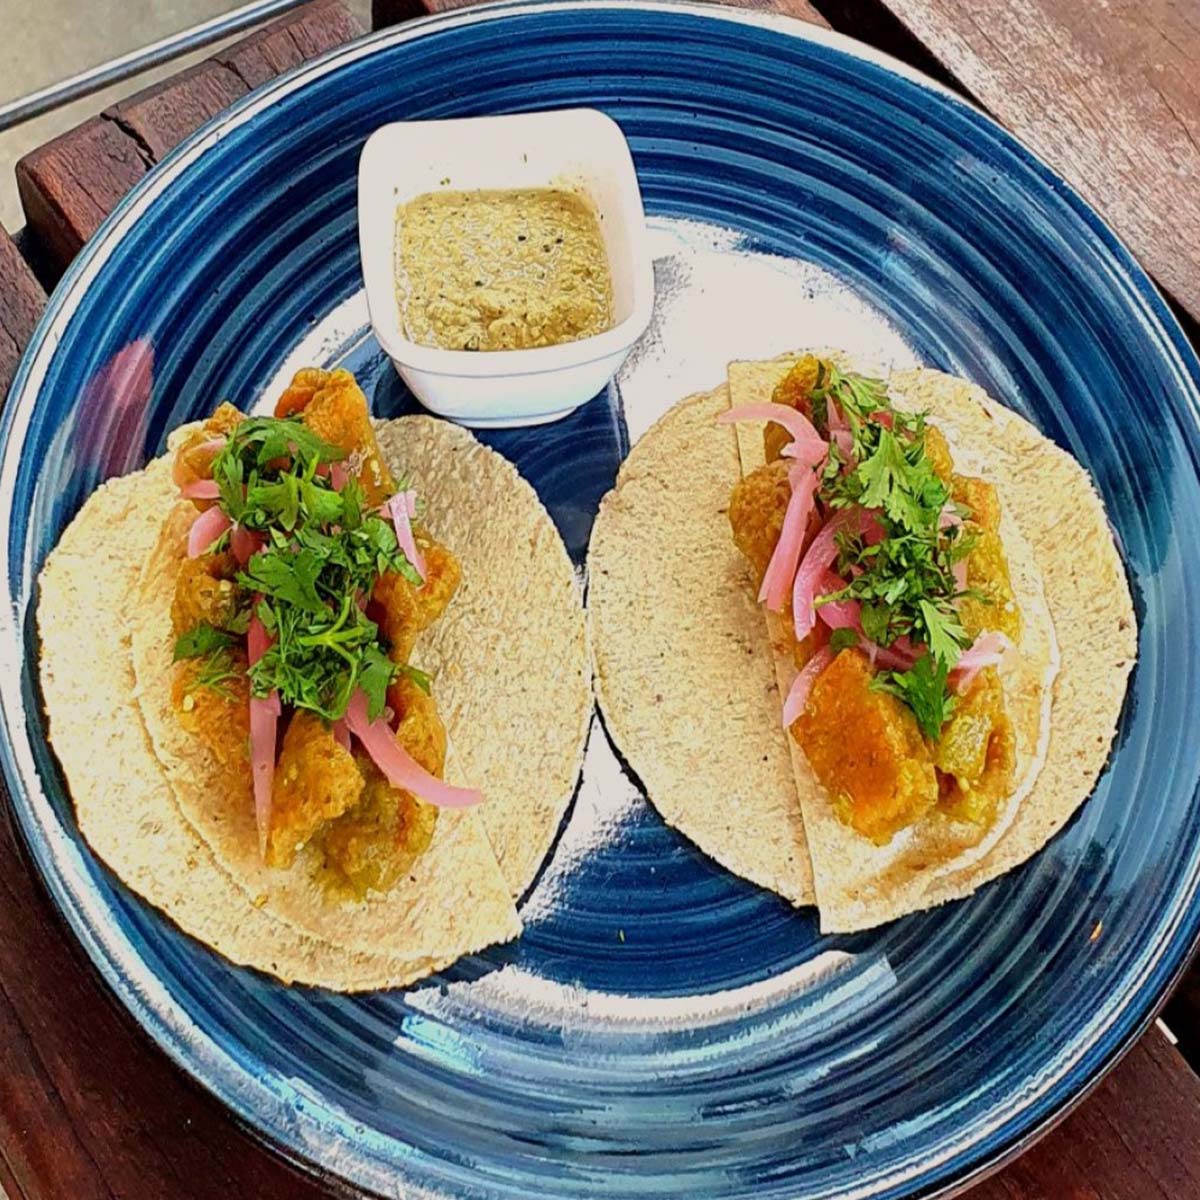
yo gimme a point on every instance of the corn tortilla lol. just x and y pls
(124, 804)
(684, 670)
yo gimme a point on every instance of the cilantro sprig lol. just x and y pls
(904, 577)
(923, 688)
(324, 551)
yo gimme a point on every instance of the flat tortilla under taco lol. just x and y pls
(916, 780)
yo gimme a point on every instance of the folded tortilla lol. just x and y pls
(128, 812)
(859, 883)
(511, 675)
(683, 652)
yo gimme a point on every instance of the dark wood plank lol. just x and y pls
(387, 12)
(69, 185)
(1107, 91)
(290, 41)
(21, 303)
(1136, 1138)
(160, 117)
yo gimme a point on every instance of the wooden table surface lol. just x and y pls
(1106, 90)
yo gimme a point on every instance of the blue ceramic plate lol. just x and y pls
(662, 1029)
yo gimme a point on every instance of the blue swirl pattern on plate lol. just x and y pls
(701, 1038)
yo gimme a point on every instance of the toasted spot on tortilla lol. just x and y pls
(684, 670)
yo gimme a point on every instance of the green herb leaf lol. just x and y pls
(287, 576)
(202, 640)
(842, 639)
(923, 688)
(217, 669)
(425, 681)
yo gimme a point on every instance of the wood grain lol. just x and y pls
(21, 303)
(160, 117)
(290, 41)
(1108, 91)
(69, 185)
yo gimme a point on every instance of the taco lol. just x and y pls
(299, 804)
(949, 670)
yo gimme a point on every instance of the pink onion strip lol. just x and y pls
(341, 735)
(201, 489)
(817, 560)
(781, 570)
(988, 650)
(401, 769)
(245, 544)
(206, 528)
(264, 724)
(838, 614)
(802, 685)
(402, 506)
(810, 448)
(338, 474)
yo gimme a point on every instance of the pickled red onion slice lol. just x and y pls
(264, 723)
(781, 570)
(245, 544)
(838, 614)
(835, 417)
(402, 507)
(201, 489)
(341, 735)
(338, 474)
(817, 560)
(398, 765)
(206, 528)
(257, 639)
(890, 658)
(797, 696)
(809, 446)
(987, 650)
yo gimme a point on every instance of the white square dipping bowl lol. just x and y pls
(577, 148)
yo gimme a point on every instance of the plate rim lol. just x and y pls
(60, 861)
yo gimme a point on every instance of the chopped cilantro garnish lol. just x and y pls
(422, 679)
(325, 550)
(923, 688)
(842, 639)
(903, 578)
(217, 668)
